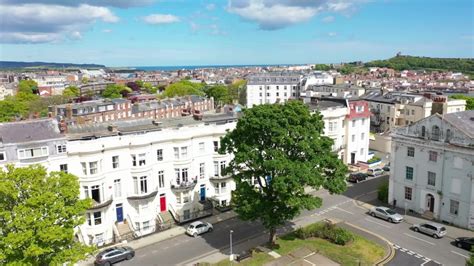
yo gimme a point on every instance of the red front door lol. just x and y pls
(162, 203)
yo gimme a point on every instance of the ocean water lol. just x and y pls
(171, 68)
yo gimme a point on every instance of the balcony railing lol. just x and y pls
(106, 201)
(183, 186)
(143, 195)
(219, 177)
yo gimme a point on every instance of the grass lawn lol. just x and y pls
(360, 250)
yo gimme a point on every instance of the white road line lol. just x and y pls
(418, 256)
(340, 209)
(459, 254)
(426, 261)
(384, 225)
(431, 243)
(410, 253)
(395, 247)
(403, 250)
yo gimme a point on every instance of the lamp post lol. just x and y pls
(231, 257)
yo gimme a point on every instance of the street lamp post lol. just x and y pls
(231, 257)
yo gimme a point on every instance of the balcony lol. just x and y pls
(183, 186)
(219, 178)
(148, 195)
(105, 202)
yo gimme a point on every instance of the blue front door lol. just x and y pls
(119, 211)
(203, 193)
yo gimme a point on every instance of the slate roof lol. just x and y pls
(27, 131)
(462, 120)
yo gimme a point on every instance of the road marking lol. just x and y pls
(403, 250)
(459, 254)
(426, 261)
(344, 210)
(431, 243)
(384, 225)
(410, 252)
(418, 256)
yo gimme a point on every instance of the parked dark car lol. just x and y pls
(386, 168)
(357, 177)
(464, 242)
(114, 255)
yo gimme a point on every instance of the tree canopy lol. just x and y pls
(220, 93)
(71, 91)
(113, 91)
(28, 87)
(282, 147)
(182, 88)
(465, 65)
(38, 214)
(469, 100)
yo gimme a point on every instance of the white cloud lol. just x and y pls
(111, 3)
(210, 7)
(332, 34)
(277, 14)
(155, 19)
(328, 19)
(106, 30)
(37, 23)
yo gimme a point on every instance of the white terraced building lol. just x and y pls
(136, 172)
(432, 168)
(272, 87)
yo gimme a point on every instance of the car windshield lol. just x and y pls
(391, 212)
(191, 227)
(442, 229)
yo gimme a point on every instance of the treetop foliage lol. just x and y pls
(282, 146)
(38, 214)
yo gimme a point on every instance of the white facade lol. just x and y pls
(272, 88)
(136, 175)
(432, 167)
(5, 90)
(316, 78)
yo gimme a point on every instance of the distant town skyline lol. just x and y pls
(234, 32)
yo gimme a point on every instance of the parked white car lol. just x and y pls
(197, 228)
(386, 214)
(432, 229)
(375, 171)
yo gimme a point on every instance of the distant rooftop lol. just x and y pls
(27, 131)
(144, 125)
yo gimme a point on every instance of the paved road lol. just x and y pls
(411, 248)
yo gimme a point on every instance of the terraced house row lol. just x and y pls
(140, 174)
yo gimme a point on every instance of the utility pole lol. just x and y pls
(231, 257)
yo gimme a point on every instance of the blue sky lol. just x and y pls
(202, 32)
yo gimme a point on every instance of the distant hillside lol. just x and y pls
(15, 64)
(406, 62)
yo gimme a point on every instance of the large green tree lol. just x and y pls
(113, 91)
(38, 214)
(220, 93)
(281, 146)
(71, 91)
(27, 86)
(182, 88)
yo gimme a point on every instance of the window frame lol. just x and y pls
(407, 173)
(408, 193)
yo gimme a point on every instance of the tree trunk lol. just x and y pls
(272, 239)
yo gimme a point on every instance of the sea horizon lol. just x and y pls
(191, 67)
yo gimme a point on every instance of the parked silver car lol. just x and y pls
(432, 229)
(115, 254)
(386, 214)
(197, 228)
(374, 171)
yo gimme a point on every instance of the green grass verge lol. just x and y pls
(361, 250)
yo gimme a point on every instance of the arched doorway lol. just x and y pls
(430, 201)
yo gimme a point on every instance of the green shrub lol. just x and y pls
(342, 236)
(383, 192)
(330, 232)
(374, 159)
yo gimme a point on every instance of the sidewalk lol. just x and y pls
(164, 235)
(411, 218)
